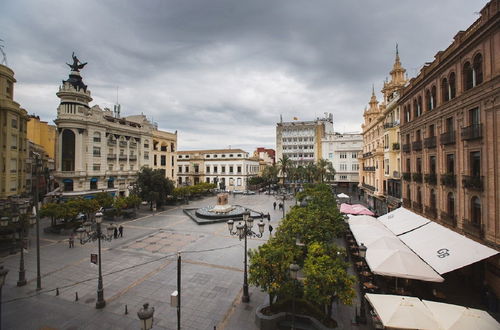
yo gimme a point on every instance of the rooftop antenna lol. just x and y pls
(4, 56)
(117, 107)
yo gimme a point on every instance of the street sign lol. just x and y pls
(93, 258)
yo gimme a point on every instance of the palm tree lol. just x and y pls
(322, 168)
(284, 164)
(311, 172)
(330, 176)
(270, 174)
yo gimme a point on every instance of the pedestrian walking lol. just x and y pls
(281, 206)
(268, 217)
(115, 233)
(274, 205)
(71, 241)
(120, 230)
(270, 230)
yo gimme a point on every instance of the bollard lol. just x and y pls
(126, 310)
(57, 291)
(76, 296)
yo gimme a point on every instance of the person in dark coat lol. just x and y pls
(115, 233)
(270, 230)
(274, 205)
(120, 231)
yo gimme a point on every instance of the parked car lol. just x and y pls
(237, 191)
(249, 192)
(81, 216)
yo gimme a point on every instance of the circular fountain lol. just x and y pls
(222, 210)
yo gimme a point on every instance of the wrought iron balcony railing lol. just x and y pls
(449, 180)
(407, 176)
(473, 228)
(448, 219)
(472, 182)
(472, 132)
(417, 177)
(430, 142)
(447, 138)
(430, 178)
(416, 145)
(406, 147)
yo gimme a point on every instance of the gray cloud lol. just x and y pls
(222, 72)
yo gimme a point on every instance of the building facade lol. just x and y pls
(301, 141)
(450, 130)
(13, 141)
(42, 134)
(267, 157)
(342, 150)
(97, 150)
(229, 169)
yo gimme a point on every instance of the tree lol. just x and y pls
(50, 210)
(330, 175)
(311, 172)
(284, 165)
(269, 265)
(322, 169)
(153, 186)
(327, 277)
(104, 200)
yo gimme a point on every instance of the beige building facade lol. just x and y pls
(13, 141)
(229, 169)
(42, 134)
(450, 132)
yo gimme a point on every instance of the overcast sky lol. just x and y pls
(222, 72)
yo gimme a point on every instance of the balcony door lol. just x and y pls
(475, 164)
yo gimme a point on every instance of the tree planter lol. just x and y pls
(271, 322)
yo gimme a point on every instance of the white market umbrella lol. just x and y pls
(402, 312)
(342, 195)
(400, 263)
(455, 317)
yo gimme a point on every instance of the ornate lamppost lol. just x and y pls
(244, 230)
(3, 275)
(294, 269)
(146, 314)
(21, 220)
(86, 234)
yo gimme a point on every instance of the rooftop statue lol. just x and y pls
(77, 65)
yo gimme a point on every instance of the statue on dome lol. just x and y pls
(77, 65)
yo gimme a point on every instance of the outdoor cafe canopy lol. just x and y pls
(355, 209)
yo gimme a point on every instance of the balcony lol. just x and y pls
(430, 142)
(473, 228)
(449, 180)
(111, 157)
(472, 132)
(132, 158)
(417, 177)
(416, 145)
(395, 146)
(396, 175)
(367, 186)
(407, 176)
(369, 168)
(472, 182)
(406, 147)
(406, 203)
(123, 144)
(391, 125)
(122, 157)
(448, 219)
(111, 143)
(447, 138)
(417, 207)
(431, 212)
(430, 178)
(367, 154)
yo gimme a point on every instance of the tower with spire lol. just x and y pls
(398, 79)
(373, 110)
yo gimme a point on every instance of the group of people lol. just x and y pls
(118, 232)
(280, 206)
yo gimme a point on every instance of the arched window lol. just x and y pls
(97, 137)
(445, 90)
(475, 210)
(428, 100)
(416, 110)
(451, 204)
(419, 105)
(68, 151)
(477, 68)
(468, 76)
(453, 87)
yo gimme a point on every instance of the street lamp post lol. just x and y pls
(294, 269)
(20, 218)
(146, 314)
(35, 211)
(244, 230)
(3, 275)
(85, 234)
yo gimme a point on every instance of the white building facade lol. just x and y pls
(301, 141)
(96, 150)
(229, 169)
(342, 151)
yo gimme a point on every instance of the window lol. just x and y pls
(354, 155)
(475, 164)
(96, 167)
(186, 168)
(223, 169)
(207, 169)
(238, 169)
(477, 68)
(97, 137)
(231, 169)
(468, 76)
(474, 117)
(163, 160)
(428, 100)
(172, 147)
(431, 131)
(238, 181)
(330, 155)
(432, 164)
(146, 155)
(355, 167)
(155, 160)
(343, 177)
(13, 144)
(343, 167)
(14, 123)
(408, 166)
(172, 161)
(110, 167)
(419, 195)
(449, 125)
(432, 199)
(419, 165)
(433, 97)
(146, 144)
(445, 90)
(13, 165)
(179, 170)
(97, 151)
(215, 169)
(475, 214)
(408, 192)
(450, 163)
(343, 155)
